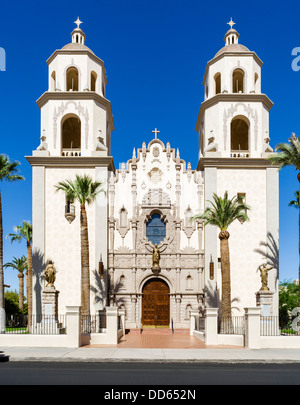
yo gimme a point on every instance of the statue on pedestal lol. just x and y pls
(264, 277)
(155, 258)
(50, 274)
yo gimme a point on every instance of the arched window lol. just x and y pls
(72, 79)
(217, 83)
(239, 136)
(93, 81)
(238, 81)
(156, 229)
(71, 136)
(189, 281)
(123, 218)
(188, 217)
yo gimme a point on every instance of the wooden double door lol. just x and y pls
(156, 304)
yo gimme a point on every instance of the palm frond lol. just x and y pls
(83, 189)
(9, 170)
(288, 154)
(23, 231)
(224, 211)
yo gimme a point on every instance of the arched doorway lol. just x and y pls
(156, 303)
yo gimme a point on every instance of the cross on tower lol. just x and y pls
(231, 23)
(78, 22)
(156, 132)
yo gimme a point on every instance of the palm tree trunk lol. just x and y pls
(2, 301)
(21, 291)
(29, 283)
(225, 271)
(85, 262)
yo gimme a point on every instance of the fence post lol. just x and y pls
(2, 320)
(122, 313)
(211, 326)
(193, 313)
(112, 325)
(73, 323)
(252, 327)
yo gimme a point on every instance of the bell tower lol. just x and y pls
(233, 130)
(232, 94)
(76, 125)
(76, 118)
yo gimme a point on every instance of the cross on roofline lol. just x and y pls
(231, 23)
(156, 132)
(78, 22)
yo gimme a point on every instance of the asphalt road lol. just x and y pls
(108, 376)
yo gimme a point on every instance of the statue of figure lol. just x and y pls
(49, 274)
(264, 277)
(155, 257)
(100, 142)
(43, 145)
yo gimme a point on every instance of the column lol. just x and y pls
(252, 327)
(73, 317)
(211, 326)
(112, 325)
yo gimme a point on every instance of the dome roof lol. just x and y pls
(232, 42)
(73, 46)
(232, 48)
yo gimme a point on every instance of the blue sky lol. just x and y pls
(155, 54)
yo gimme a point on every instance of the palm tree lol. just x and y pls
(84, 190)
(8, 172)
(295, 202)
(19, 264)
(24, 232)
(223, 212)
(288, 154)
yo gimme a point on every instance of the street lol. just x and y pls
(155, 375)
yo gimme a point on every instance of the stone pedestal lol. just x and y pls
(48, 322)
(264, 299)
(50, 302)
(156, 270)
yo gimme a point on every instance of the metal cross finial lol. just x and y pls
(78, 22)
(231, 23)
(156, 132)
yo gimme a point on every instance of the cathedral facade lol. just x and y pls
(149, 203)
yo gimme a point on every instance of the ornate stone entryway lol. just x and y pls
(156, 304)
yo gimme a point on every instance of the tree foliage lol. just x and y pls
(288, 297)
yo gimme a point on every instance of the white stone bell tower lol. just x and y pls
(75, 102)
(233, 129)
(76, 126)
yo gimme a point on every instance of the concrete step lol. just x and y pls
(158, 331)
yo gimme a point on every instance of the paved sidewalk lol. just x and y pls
(96, 354)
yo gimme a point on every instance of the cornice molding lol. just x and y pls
(82, 161)
(77, 95)
(232, 97)
(86, 51)
(230, 54)
(235, 163)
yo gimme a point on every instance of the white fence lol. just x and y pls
(252, 330)
(41, 335)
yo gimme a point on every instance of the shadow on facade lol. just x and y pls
(270, 252)
(37, 274)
